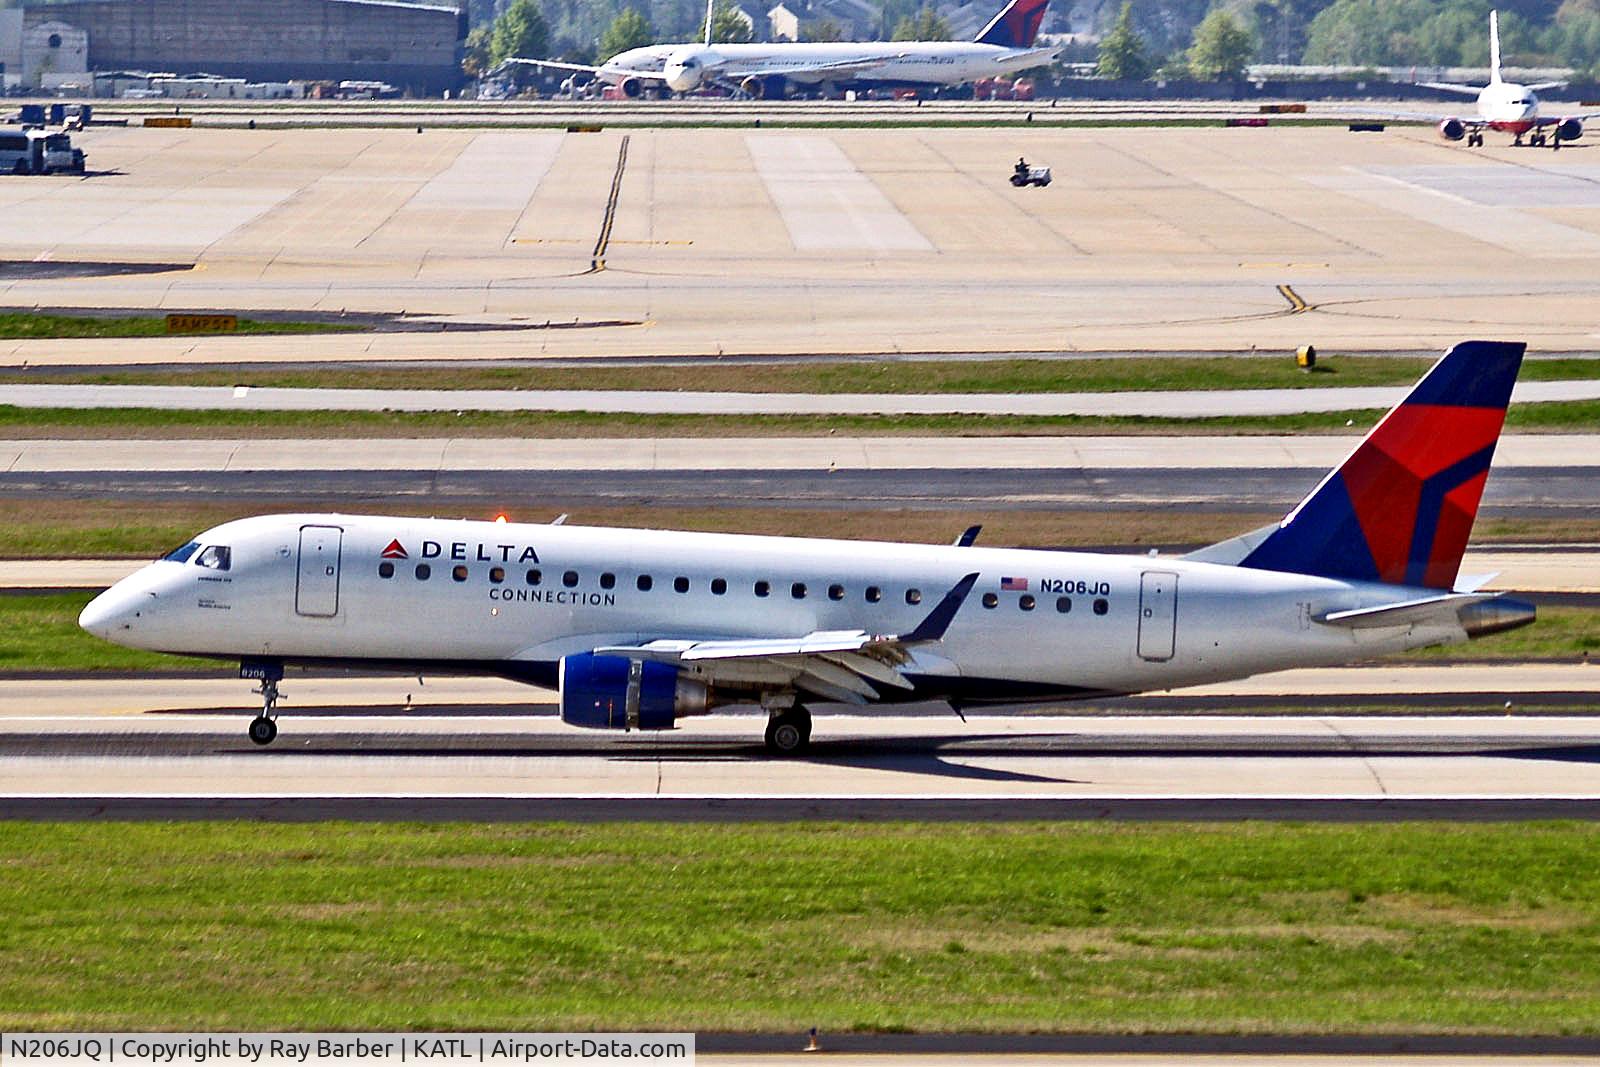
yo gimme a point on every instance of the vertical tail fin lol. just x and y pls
(1401, 506)
(711, 12)
(1494, 47)
(1016, 26)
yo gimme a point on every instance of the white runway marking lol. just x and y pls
(1488, 214)
(826, 203)
(496, 173)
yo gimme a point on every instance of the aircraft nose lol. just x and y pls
(111, 614)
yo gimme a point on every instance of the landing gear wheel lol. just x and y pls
(263, 730)
(789, 732)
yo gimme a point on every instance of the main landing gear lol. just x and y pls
(264, 727)
(788, 731)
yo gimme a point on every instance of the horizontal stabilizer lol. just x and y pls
(1435, 609)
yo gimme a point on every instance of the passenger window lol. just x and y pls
(1101, 606)
(680, 584)
(835, 592)
(217, 558)
(913, 596)
(719, 586)
(535, 576)
(386, 569)
(182, 553)
(459, 572)
(874, 594)
(1026, 603)
(608, 581)
(1063, 604)
(569, 579)
(798, 590)
(990, 600)
(497, 575)
(424, 572)
(763, 589)
(644, 582)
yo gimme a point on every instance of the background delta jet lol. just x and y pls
(636, 628)
(1005, 46)
(1506, 106)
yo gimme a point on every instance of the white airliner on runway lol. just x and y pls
(636, 628)
(1507, 107)
(1005, 46)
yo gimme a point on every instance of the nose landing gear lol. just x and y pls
(264, 727)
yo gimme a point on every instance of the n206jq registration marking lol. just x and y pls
(1069, 585)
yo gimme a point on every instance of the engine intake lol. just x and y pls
(1569, 129)
(617, 693)
(631, 88)
(1452, 129)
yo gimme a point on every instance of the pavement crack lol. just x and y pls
(1350, 745)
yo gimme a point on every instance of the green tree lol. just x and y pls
(1221, 47)
(925, 25)
(821, 32)
(727, 26)
(628, 30)
(1122, 52)
(520, 32)
(476, 52)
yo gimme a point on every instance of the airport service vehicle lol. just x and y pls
(1507, 107)
(1025, 174)
(39, 152)
(637, 628)
(1004, 46)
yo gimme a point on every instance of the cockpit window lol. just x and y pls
(216, 557)
(182, 553)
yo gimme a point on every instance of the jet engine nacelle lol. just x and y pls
(1569, 129)
(1452, 129)
(616, 693)
(631, 87)
(762, 88)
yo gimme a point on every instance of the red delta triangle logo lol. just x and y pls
(395, 550)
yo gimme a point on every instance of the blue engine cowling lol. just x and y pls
(1569, 129)
(616, 693)
(1452, 129)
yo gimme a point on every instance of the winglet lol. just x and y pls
(969, 536)
(938, 621)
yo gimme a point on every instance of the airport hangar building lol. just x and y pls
(414, 46)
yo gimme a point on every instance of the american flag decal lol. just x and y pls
(1013, 585)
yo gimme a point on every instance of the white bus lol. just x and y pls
(39, 152)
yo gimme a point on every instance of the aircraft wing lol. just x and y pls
(839, 665)
(583, 68)
(1452, 87)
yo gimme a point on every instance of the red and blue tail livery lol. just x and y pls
(1401, 507)
(1017, 25)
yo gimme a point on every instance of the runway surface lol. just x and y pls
(859, 767)
(1180, 404)
(1163, 239)
(1524, 492)
(830, 452)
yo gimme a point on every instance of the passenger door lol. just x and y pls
(1158, 615)
(316, 590)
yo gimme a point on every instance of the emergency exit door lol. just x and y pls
(1158, 615)
(316, 590)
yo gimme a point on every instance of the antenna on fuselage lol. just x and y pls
(1494, 47)
(711, 7)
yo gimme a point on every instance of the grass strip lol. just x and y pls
(1579, 416)
(1217, 928)
(933, 376)
(25, 325)
(39, 632)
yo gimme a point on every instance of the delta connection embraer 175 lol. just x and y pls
(1004, 46)
(636, 628)
(1507, 107)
